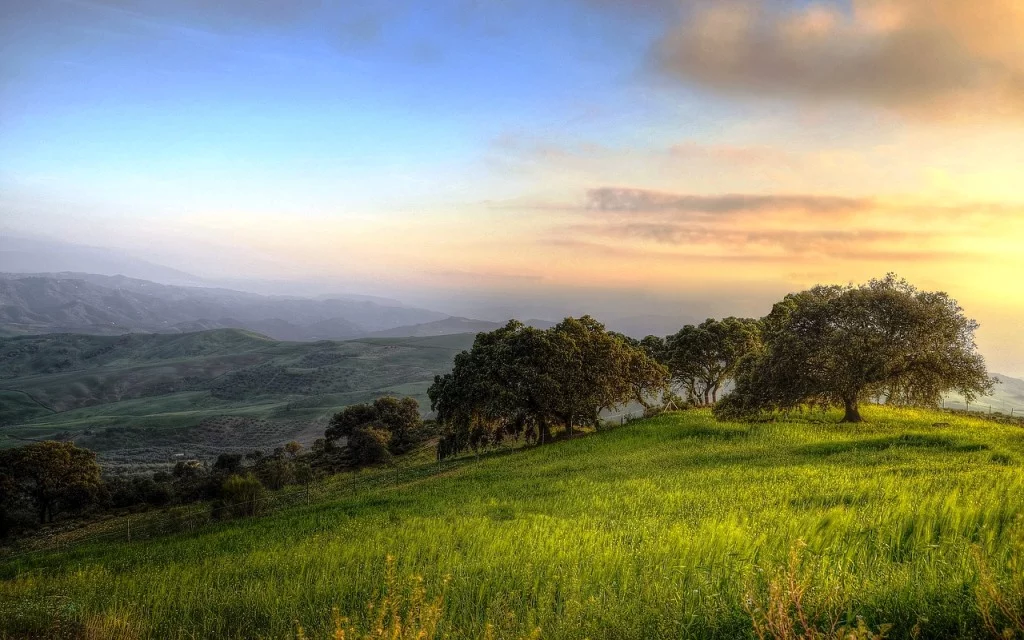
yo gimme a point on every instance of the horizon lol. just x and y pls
(695, 158)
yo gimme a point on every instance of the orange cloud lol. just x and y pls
(917, 56)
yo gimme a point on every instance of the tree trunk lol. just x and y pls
(852, 411)
(545, 432)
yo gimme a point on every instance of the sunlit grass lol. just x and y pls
(656, 529)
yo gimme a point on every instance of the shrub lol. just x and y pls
(241, 495)
(369, 445)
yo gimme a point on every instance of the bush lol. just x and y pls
(275, 473)
(241, 496)
(369, 445)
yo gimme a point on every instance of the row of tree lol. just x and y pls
(829, 346)
(522, 381)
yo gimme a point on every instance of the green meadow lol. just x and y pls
(676, 526)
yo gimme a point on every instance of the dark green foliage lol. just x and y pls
(228, 462)
(129, 492)
(519, 380)
(370, 445)
(842, 345)
(241, 496)
(48, 477)
(398, 418)
(276, 472)
(348, 419)
(704, 357)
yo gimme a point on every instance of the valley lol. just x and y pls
(141, 399)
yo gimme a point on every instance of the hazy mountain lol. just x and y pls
(1007, 396)
(90, 303)
(36, 255)
(446, 326)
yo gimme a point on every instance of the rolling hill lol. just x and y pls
(138, 398)
(675, 527)
(110, 305)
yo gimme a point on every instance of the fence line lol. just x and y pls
(192, 517)
(985, 406)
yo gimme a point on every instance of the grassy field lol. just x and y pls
(662, 528)
(141, 398)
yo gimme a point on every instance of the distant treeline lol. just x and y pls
(46, 482)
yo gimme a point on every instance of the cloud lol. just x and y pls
(642, 200)
(773, 229)
(922, 56)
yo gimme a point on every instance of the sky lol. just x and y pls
(704, 155)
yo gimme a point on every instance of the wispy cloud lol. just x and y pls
(642, 200)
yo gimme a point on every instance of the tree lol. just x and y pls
(703, 358)
(399, 418)
(519, 380)
(349, 418)
(293, 448)
(51, 476)
(228, 462)
(370, 445)
(840, 345)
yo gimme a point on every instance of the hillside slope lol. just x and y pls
(663, 528)
(143, 397)
(111, 305)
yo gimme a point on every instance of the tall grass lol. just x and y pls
(666, 528)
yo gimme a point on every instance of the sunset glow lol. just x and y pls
(715, 154)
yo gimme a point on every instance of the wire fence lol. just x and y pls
(192, 518)
(986, 405)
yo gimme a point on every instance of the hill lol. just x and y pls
(1007, 397)
(39, 255)
(111, 305)
(663, 528)
(139, 398)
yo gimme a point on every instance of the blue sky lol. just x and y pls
(718, 154)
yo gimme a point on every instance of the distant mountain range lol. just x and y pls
(38, 255)
(110, 305)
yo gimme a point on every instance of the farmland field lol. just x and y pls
(139, 399)
(668, 527)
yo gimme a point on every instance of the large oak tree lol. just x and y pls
(520, 380)
(841, 345)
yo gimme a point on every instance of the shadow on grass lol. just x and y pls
(903, 441)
